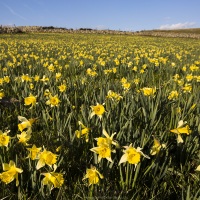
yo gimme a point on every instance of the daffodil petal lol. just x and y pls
(105, 133)
(179, 139)
(198, 168)
(22, 119)
(40, 164)
(123, 159)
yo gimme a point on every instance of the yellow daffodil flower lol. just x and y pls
(106, 141)
(189, 77)
(132, 155)
(4, 139)
(136, 81)
(187, 88)
(126, 86)
(148, 91)
(134, 68)
(83, 132)
(31, 100)
(62, 87)
(47, 93)
(34, 152)
(6, 79)
(93, 175)
(1, 81)
(173, 95)
(51, 68)
(53, 101)
(11, 173)
(123, 80)
(1, 94)
(31, 86)
(97, 110)
(24, 137)
(58, 76)
(103, 148)
(180, 130)
(46, 157)
(26, 77)
(103, 151)
(26, 124)
(114, 96)
(36, 78)
(90, 72)
(156, 147)
(44, 79)
(53, 179)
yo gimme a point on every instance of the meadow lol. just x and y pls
(93, 116)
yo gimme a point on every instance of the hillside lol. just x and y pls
(186, 33)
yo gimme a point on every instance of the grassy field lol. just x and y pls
(92, 116)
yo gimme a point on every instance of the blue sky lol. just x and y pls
(127, 15)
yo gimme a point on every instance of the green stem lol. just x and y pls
(91, 191)
(127, 175)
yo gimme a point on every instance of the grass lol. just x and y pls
(187, 30)
(89, 66)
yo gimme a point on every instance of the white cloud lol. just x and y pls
(177, 26)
